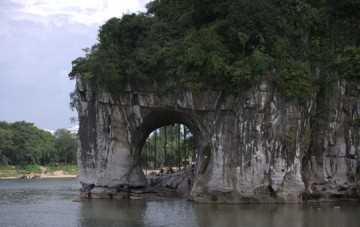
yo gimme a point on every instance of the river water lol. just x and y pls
(49, 202)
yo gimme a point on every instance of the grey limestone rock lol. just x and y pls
(253, 147)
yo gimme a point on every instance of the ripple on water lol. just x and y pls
(49, 203)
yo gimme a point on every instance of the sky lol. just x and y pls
(38, 41)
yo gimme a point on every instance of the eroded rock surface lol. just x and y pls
(254, 146)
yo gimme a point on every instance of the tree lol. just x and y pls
(348, 66)
(6, 143)
(170, 149)
(21, 143)
(347, 12)
(31, 145)
(224, 45)
(65, 146)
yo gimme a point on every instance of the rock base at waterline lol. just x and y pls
(159, 186)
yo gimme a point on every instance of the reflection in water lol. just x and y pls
(50, 203)
(325, 214)
(111, 213)
(247, 214)
(173, 212)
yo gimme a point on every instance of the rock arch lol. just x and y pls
(254, 146)
(161, 117)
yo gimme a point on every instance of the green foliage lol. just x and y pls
(23, 144)
(249, 70)
(65, 146)
(78, 65)
(348, 66)
(13, 171)
(347, 13)
(164, 90)
(295, 81)
(9, 171)
(31, 145)
(227, 45)
(174, 144)
(6, 143)
(31, 169)
(204, 62)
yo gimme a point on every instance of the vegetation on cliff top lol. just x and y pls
(228, 44)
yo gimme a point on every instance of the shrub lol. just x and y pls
(295, 81)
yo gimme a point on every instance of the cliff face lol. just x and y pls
(254, 146)
(331, 167)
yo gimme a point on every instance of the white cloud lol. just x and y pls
(60, 12)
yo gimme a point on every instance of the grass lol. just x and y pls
(28, 169)
(18, 171)
(9, 171)
(66, 168)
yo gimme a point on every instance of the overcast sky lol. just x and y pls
(38, 41)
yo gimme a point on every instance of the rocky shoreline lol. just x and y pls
(160, 186)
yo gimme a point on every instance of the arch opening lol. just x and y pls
(158, 119)
(168, 149)
(171, 162)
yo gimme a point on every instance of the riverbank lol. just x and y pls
(58, 174)
(34, 171)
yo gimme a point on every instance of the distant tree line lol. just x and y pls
(22, 143)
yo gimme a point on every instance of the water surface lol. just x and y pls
(49, 202)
